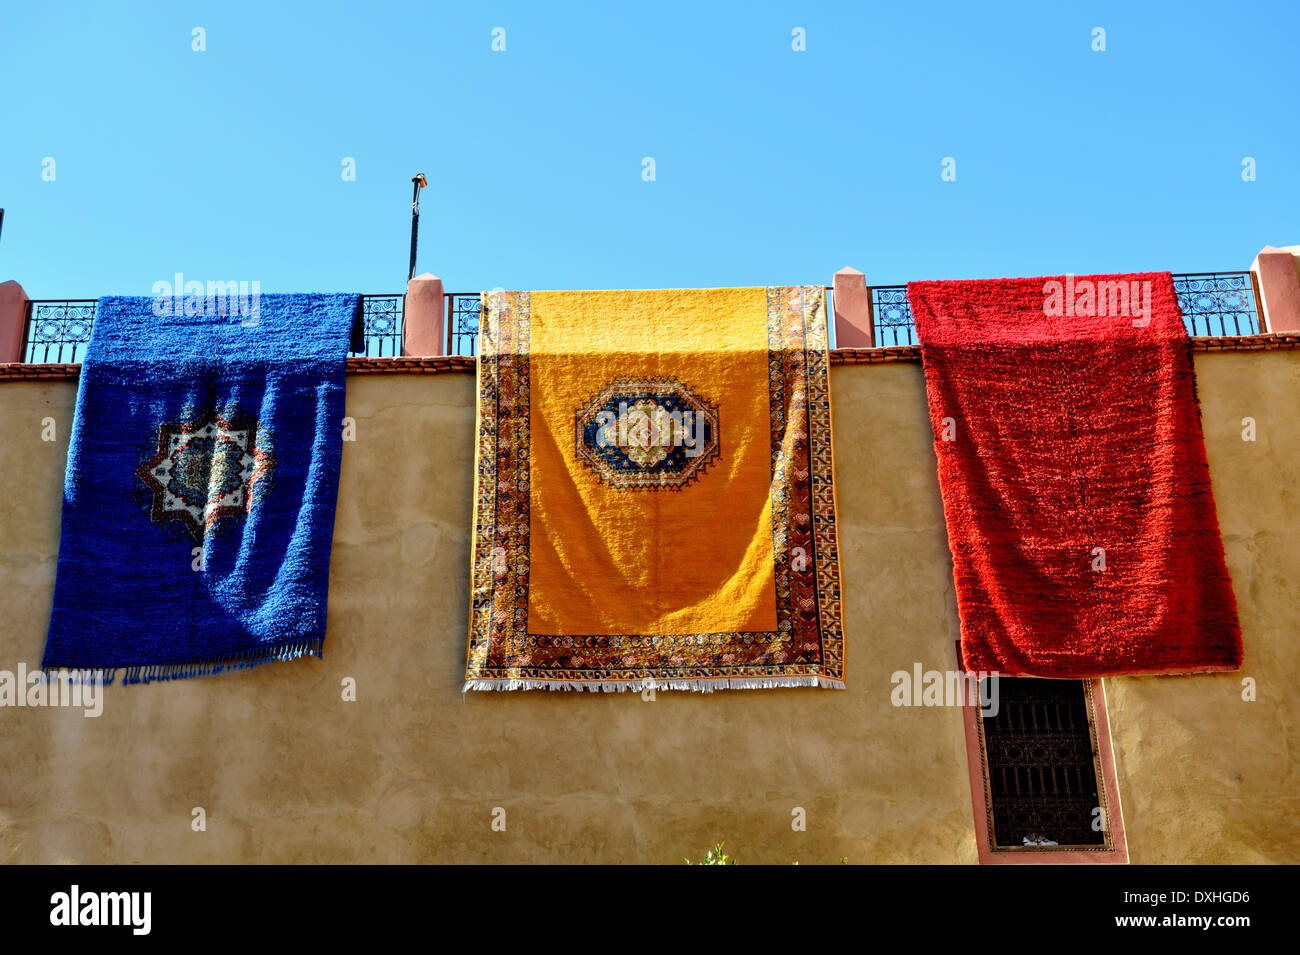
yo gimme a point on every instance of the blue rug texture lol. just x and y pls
(201, 483)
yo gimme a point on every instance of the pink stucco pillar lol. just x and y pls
(424, 323)
(852, 310)
(13, 320)
(1279, 289)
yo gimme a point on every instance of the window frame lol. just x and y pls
(1115, 853)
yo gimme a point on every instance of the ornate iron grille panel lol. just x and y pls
(462, 323)
(58, 330)
(1218, 303)
(1041, 770)
(891, 316)
(382, 315)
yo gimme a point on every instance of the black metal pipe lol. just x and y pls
(417, 183)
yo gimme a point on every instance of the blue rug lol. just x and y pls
(202, 476)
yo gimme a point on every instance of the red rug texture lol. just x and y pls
(1081, 520)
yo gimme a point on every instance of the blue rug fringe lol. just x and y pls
(209, 666)
(73, 675)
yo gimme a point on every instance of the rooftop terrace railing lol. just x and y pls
(891, 315)
(462, 323)
(58, 330)
(382, 333)
(1213, 303)
(1219, 303)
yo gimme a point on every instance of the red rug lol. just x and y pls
(1081, 521)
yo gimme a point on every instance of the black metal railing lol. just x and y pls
(1214, 304)
(462, 323)
(382, 333)
(891, 316)
(1219, 303)
(57, 330)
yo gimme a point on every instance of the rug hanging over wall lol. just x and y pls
(202, 476)
(655, 503)
(1084, 536)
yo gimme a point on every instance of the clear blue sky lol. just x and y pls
(773, 166)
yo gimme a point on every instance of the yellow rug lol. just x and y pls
(655, 501)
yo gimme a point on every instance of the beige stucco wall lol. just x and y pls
(1205, 776)
(412, 771)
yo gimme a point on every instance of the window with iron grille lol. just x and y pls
(1042, 773)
